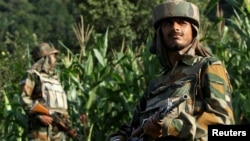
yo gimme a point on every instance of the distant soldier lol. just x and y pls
(41, 84)
(188, 69)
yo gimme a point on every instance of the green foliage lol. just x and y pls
(241, 68)
(127, 20)
(29, 22)
(104, 86)
(106, 68)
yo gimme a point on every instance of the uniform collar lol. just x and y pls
(190, 60)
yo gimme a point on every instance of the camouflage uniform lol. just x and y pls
(198, 74)
(41, 84)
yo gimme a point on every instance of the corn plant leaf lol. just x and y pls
(99, 57)
(89, 64)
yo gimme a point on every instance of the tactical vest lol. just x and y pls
(162, 94)
(53, 94)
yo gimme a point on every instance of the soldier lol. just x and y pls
(189, 69)
(41, 84)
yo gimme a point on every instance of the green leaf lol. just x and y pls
(99, 57)
(89, 64)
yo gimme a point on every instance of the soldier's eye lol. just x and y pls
(182, 22)
(166, 23)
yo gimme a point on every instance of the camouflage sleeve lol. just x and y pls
(216, 91)
(27, 86)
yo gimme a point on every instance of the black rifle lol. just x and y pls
(163, 111)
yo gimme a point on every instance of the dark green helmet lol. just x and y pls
(176, 8)
(42, 50)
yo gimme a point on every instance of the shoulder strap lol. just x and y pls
(195, 68)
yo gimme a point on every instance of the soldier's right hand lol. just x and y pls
(46, 120)
(153, 128)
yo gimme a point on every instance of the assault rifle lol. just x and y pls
(61, 122)
(163, 111)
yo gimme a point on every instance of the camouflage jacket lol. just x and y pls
(44, 88)
(207, 83)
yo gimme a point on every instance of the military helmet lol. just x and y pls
(176, 8)
(42, 50)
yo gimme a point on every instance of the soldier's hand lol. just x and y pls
(153, 128)
(46, 120)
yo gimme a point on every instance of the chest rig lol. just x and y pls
(168, 89)
(52, 93)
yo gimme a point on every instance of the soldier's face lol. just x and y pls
(177, 33)
(52, 60)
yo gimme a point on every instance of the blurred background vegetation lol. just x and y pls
(105, 63)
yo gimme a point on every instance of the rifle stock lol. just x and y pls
(138, 132)
(62, 123)
(39, 108)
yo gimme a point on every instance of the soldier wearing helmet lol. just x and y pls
(188, 69)
(41, 84)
